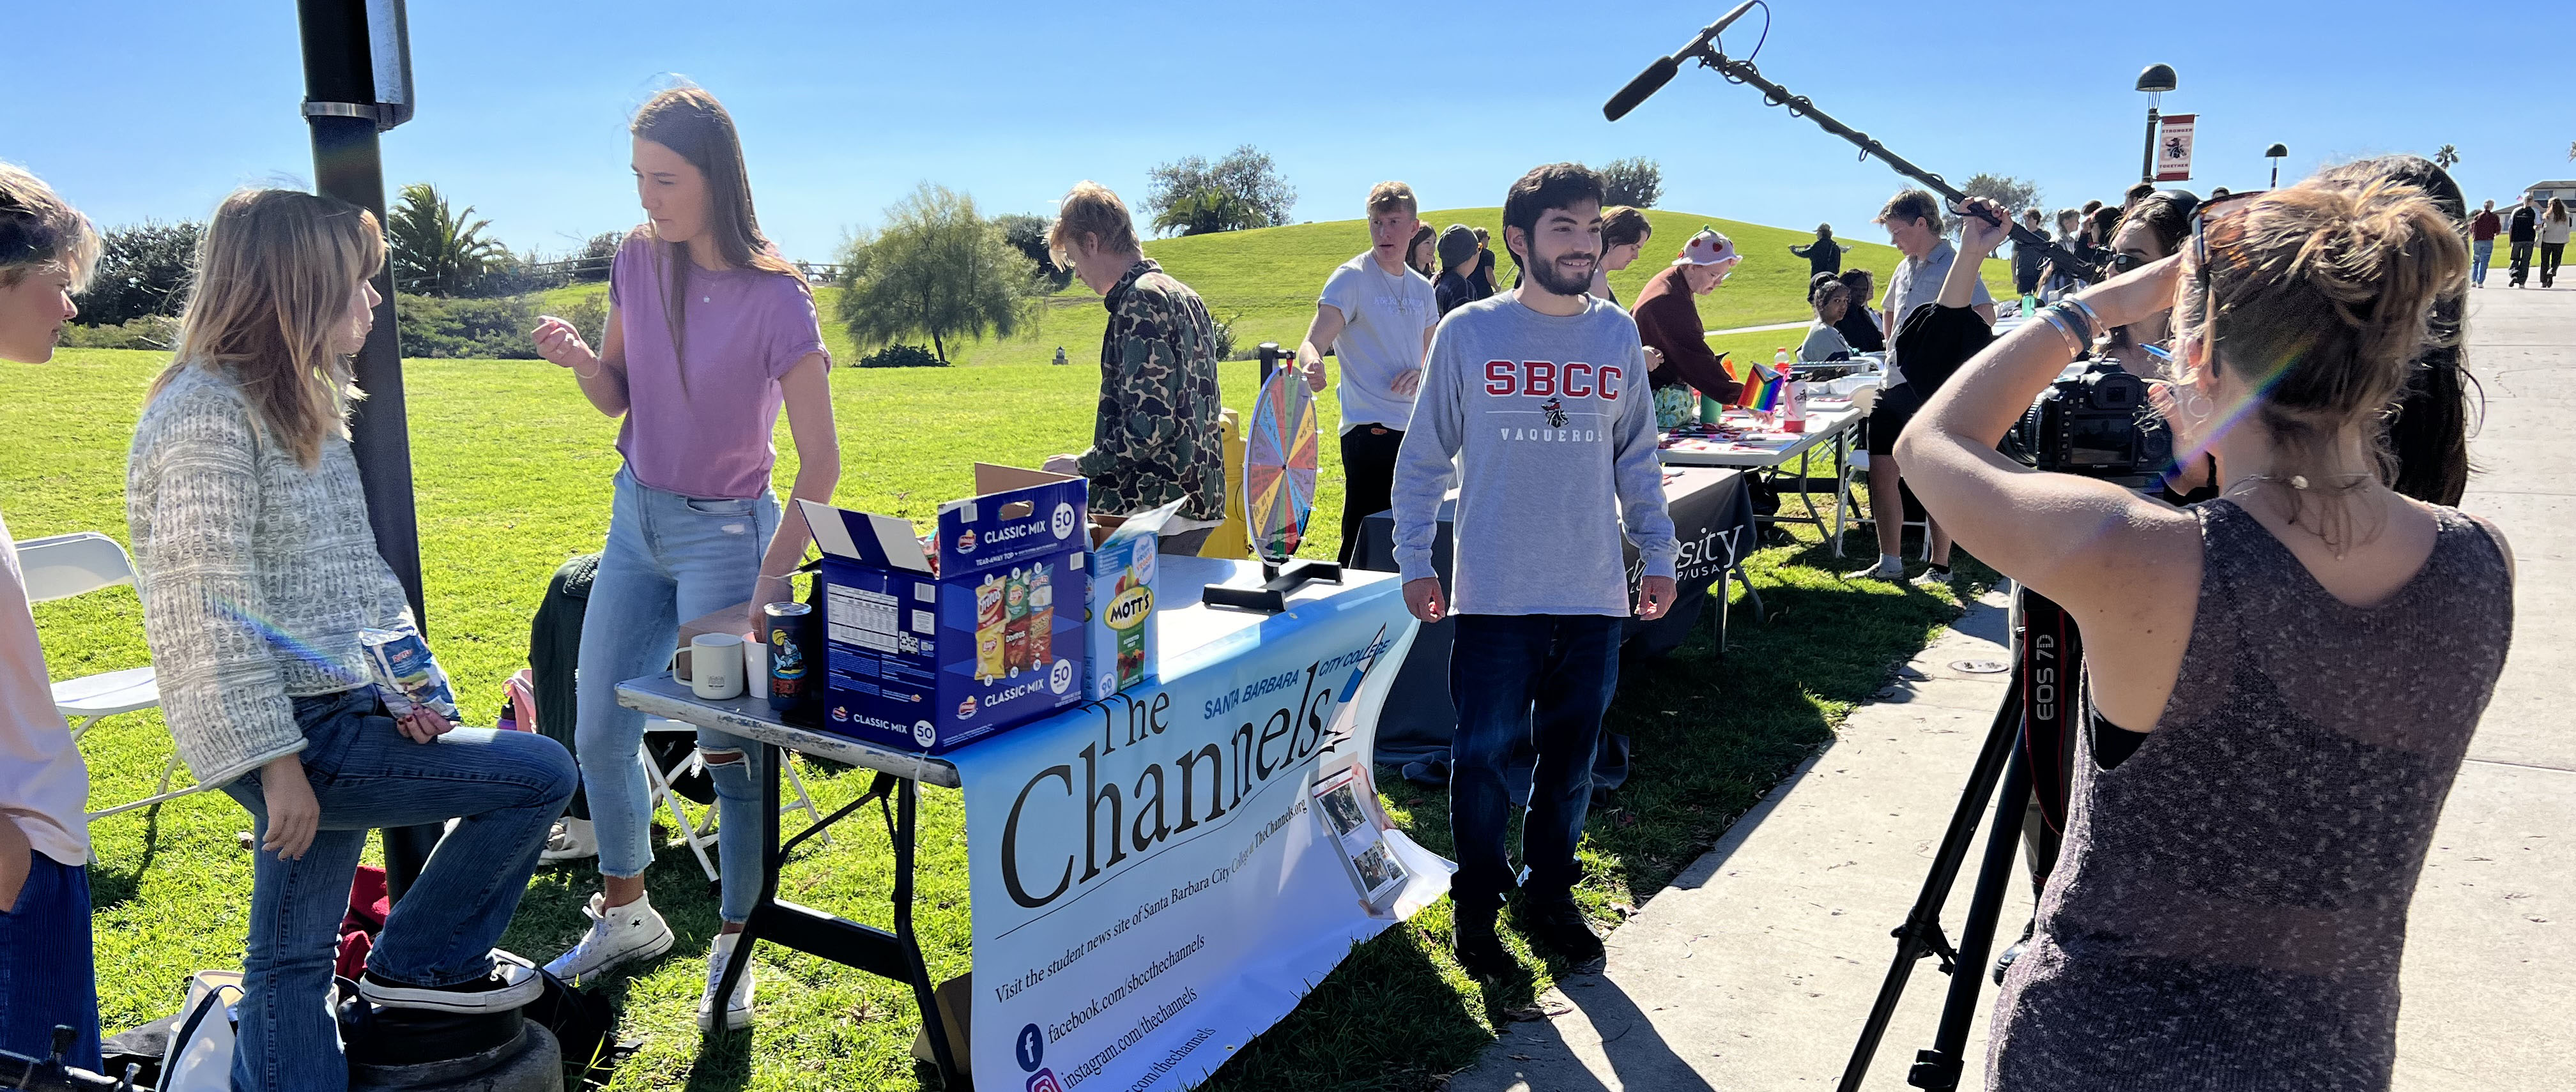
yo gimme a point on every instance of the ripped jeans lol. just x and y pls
(669, 558)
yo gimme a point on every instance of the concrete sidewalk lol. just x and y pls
(1757, 967)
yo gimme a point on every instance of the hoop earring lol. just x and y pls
(2198, 407)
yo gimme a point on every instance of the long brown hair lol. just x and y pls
(269, 296)
(2321, 295)
(2428, 433)
(694, 126)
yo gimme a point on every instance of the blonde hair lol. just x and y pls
(2320, 295)
(1386, 197)
(269, 296)
(39, 233)
(1094, 210)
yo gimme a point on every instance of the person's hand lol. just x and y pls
(560, 343)
(1062, 464)
(1314, 373)
(1655, 595)
(1407, 384)
(1423, 598)
(2177, 404)
(293, 816)
(1978, 237)
(1654, 359)
(764, 591)
(17, 856)
(2136, 295)
(422, 726)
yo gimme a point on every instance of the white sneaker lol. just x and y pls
(571, 840)
(737, 1008)
(1935, 577)
(618, 934)
(1888, 568)
(513, 984)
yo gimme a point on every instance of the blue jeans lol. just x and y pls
(2481, 251)
(669, 558)
(508, 787)
(1546, 678)
(45, 976)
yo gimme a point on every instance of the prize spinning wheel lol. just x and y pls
(1279, 452)
(1279, 467)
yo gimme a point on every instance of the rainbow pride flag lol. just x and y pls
(1763, 389)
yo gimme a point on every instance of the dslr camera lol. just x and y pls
(2096, 423)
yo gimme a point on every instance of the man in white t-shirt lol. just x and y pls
(47, 252)
(1376, 315)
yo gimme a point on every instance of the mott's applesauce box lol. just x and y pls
(928, 648)
(1119, 608)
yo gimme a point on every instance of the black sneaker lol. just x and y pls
(2005, 961)
(1480, 951)
(512, 984)
(1558, 928)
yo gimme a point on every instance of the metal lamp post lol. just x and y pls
(2155, 81)
(2274, 153)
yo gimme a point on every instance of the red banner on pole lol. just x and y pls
(2173, 148)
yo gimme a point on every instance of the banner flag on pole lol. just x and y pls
(2173, 148)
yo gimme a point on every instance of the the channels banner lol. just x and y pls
(1159, 876)
(2173, 148)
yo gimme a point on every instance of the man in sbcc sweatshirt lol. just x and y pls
(1540, 395)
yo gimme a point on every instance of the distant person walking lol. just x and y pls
(2553, 240)
(1824, 256)
(2482, 233)
(2523, 231)
(1375, 315)
(2029, 261)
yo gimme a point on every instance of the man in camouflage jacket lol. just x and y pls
(1158, 438)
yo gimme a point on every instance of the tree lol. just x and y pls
(142, 270)
(936, 269)
(1027, 234)
(2014, 194)
(1637, 182)
(1243, 190)
(2449, 155)
(436, 252)
(595, 255)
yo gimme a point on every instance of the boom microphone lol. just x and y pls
(1661, 72)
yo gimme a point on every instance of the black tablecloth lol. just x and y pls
(1713, 520)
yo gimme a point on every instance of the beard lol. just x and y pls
(1557, 279)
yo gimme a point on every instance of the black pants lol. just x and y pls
(1368, 477)
(2549, 256)
(2521, 262)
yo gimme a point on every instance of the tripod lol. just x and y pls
(2030, 731)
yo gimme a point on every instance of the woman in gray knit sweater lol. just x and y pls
(257, 572)
(2283, 680)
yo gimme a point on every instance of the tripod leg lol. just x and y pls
(1938, 1069)
(1921, 933)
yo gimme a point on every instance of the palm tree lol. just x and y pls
(436, 252)
(2445, 157)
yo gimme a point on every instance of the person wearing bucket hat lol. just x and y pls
(1668, 318)
(1459, 255)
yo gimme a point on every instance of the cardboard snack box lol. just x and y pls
(929, 649)
(1118, 610)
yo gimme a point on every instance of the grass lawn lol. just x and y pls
(513, 470)
(1267, 280)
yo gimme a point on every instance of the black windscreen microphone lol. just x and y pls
(1661, 72)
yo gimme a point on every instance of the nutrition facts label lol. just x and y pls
(864, 618)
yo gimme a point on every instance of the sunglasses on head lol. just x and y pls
(2200, 220)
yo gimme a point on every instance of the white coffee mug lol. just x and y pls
(715, 665)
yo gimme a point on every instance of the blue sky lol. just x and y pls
(158, 109)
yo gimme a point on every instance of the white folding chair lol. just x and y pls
(63, 566)
(699, 833)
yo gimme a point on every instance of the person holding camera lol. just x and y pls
(2214, 924)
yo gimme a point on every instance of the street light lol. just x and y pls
(2274, 153)
(2155, 81)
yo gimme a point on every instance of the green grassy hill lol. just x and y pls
(1266, 280)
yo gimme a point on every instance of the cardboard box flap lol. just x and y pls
(997, 528)
(882, 541)
(1127, 528)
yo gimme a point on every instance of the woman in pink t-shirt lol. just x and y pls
(709, 333)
